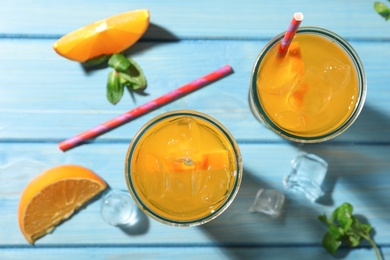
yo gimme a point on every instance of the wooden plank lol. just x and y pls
(357, 174)
(196, 19)
(46, 97)
(191, 253)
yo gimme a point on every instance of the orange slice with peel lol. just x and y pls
(53, 196)
(105, 37)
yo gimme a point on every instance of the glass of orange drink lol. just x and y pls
(313, 93)
(183, 168)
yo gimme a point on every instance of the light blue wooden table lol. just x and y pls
(45, 99)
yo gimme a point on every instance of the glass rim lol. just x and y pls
(361, 77)
(196, 221)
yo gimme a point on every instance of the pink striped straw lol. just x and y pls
(143, 109)
(290, 33)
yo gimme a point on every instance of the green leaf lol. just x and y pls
(382, 9)
(119, 62)
(133, 77)
(125, 77)
(137, 76)
(343, 227)
(96, 61)
(127, 73)
(335, 231)
(135, 83)
(324, 219)
(361, 227)
(114, 88)
(330, 243)
(352, 239)
(343, 215)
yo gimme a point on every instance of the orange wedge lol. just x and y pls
(108, 36)
(53, 196)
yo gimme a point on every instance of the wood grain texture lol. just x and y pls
(45, 98)
(190, 252)
(356, 174)
(41, 102)
(197, 19)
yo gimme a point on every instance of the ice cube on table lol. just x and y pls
(307, 175)
(269, 202)
(118, 209)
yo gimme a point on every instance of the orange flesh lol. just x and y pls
(108, 36)
(53, 196)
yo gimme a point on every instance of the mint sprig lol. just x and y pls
(127, 73)
(96, 61)
(382, 10)
(344, 227)
(114, 88)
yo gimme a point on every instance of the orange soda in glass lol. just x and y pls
(313, 93)
(183, 168)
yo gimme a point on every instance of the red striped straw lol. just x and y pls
(290, 33)
(143, 109)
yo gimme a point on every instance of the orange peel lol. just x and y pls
(104, 37)
(54, 196)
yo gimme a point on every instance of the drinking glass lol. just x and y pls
(312, 94)
(183, 168)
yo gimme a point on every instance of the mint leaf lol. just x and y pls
(119, 62)
(344, 227)
(344, 215)
(330, 244)
(137, 77)
(96, 61)
(361, 227)
(127, 73)
(335, 231)
(353, 239)
(114, 88)
(133, 77)
(323, 218)
(382, 10)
